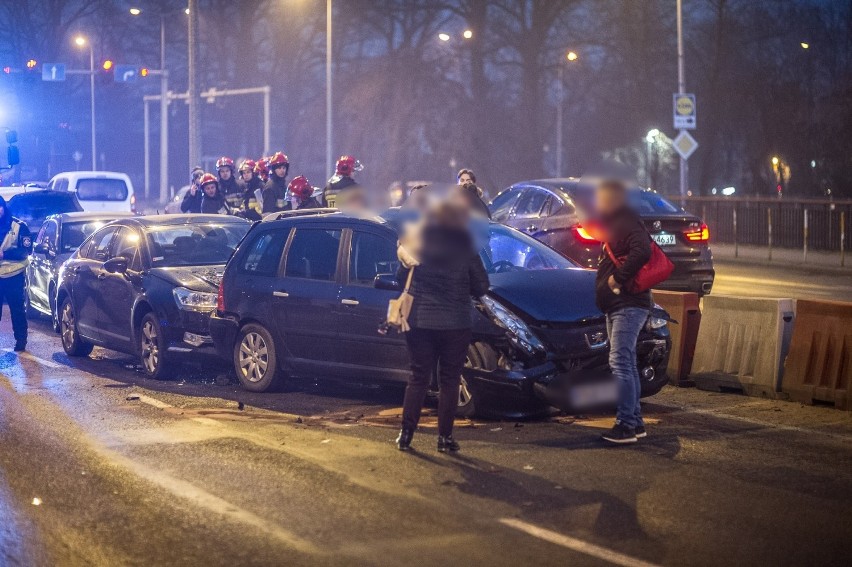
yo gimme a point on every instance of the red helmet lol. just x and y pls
(248, 164)
(278, 159)
(301, 187)
(261, 168)
(225, 161)
(347, 165)
(208, 178)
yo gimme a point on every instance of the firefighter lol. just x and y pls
(301, 195)
(342, 180)
(261, 171)
(16, 245)
(275, 192)
(250, 184)
(192, 199)
(227, 177)
(212, 200)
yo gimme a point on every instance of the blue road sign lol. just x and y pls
(53, 72)
(126, 73)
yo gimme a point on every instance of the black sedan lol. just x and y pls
(551, 210)
(306, 294)
(146, 286)
(59, 237)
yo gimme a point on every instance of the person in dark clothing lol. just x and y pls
(341, 181)
(212, 200)
(471, 196)
(447, 273)
(16, 245)
(301, 195)
(466, 176)
(250, 184)
(192, 199)
(626, 311)
(227, 177)
(275, 191)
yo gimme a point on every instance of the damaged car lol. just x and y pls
(146, 286)
(307, 294)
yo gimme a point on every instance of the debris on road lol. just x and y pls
(132, 397)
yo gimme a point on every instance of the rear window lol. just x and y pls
(34, 208)
(74, 233)
(649, 203)
(101, 189)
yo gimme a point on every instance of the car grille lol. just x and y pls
(574, 341)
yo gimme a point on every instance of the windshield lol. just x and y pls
(194, 244)
(74, 233)
(101, 189)
(33, 208)
(508, 250)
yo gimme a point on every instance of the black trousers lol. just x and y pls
(429, 348)
(12, 290)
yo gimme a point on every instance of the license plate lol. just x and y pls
(664, 239)
(594, 394)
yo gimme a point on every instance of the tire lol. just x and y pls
(72, 342)
(478, 356)
(255, 359)
(152, 349)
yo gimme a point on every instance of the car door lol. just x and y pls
(362, 307)
(527, 213)
(118, 290)
(40, 269)
(502, 205)
(305, 296)
(89, 302)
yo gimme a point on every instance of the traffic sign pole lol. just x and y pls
(684, 168)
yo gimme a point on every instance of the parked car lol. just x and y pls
(33, 205)
(58, 239)
(146, 286)
(98, 191)
(305, 294)
(551, 210)
(173, 206)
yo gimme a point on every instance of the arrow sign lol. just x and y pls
(125, 73)
(53, 72)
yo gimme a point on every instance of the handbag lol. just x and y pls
(400, 308)
(656, 270)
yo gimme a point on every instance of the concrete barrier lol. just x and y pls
(819, 366)
(742, 343)
(683, 308)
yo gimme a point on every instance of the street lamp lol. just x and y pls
(650, 141)
(805, 45)
(467, 34)
(81, 41)
(328, 101)
(444, 36)
(571, 56)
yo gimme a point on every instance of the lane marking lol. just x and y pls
(43, 361)
(153, 401)
(575, 544)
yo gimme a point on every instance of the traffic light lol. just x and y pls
(107, 65)
(143, 71)
(31, 64)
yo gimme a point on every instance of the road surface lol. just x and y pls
(100, 466)
(790, 280)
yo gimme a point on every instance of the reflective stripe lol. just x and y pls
(9, 268)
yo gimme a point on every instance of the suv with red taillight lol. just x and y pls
(551, 210)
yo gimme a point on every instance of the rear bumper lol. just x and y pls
(223, 332)
(691, 273)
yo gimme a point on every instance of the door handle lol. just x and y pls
(280, 294)
(350, 302)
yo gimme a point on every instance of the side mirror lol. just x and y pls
(387, 282)
(117, 265)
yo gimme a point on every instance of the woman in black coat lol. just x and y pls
(447, 273)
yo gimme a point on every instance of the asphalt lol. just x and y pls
(754, 278)
(101, 466)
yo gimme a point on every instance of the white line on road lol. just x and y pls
(153, 402)
(575, 544)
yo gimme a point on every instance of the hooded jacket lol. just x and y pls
(215, 204)
(631, 244)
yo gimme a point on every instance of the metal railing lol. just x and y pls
(804, 224)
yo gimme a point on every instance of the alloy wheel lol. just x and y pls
(150, 347)
(68, 326)
(464, 393)
(253, 357)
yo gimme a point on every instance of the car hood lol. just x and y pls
(196, 278)
(555, 296)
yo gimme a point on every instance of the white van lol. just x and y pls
(98, 191)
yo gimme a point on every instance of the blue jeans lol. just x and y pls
(623, 327)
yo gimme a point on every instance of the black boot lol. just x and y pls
(447, 444)
(403, 442)
(20, 346)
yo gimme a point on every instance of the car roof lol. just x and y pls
(89, 216)
(101, 174)
(333, 216)
(36, 191)
(177, 219)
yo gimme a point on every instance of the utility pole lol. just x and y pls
(164, 116)
(681, 89)
(559, 103)
(329, 159)
(192, 90)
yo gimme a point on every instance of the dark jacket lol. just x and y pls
(192, 203)
(249, 188)
(631, 244)
(274, 193)
(337, 184)
(310, 203)
(449, 274)
(214, 205)
(229, 187)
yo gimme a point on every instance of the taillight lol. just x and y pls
(697, 233)
(583, 235)
(220, 296)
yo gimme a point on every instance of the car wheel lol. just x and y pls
(479, 356)
(152, 349)
(255, 360)
(72, 342)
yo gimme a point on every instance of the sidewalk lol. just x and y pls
(781, 257)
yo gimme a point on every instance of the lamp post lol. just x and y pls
(81, 41)
(571, 56)
(329, 159)
(650, 141)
